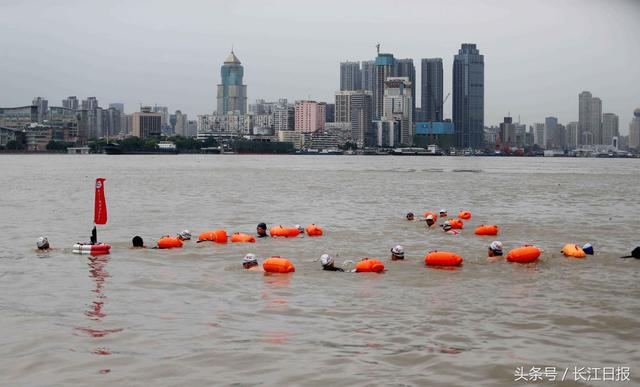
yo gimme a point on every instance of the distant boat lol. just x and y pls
(432, 151)
(164, 147)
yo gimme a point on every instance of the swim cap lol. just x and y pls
(326, 259)
(443, 211)
(496, 246)
(299, 227)
(588, 249)
(42, 243)
(185, 235)
(250, 258)
(429, 217)
(446, 226)
(262, 225)
(398, 250)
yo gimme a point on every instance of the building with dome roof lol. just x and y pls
(232, 94)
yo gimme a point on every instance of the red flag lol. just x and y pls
(100, 208)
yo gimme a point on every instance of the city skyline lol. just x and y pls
(526, 75)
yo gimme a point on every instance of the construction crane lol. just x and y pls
(439, 108)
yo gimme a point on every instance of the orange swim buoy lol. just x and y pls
(369, 265)
(287, 232)
(466, 215)
(217, 236)
(168, 242)
(442, 258)
(487, 229)
(456, 223)
(278, 264)
(313, 230)
(572, 250)
(523, 254)
(427, 213)
(239, 237)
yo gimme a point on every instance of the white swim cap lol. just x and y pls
(185, 235)
(326, 259)
(398, 250)
(299, 227)
(496, 246)
(446, 226)
(429, 217)
(250, 258)
(42, 243)
(443, 211)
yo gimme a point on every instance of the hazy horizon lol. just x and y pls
(539, 55)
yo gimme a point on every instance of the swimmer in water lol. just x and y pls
(261, 230)
(495, 251)
(410, 217)
(137, 243)
(397, 253)
(250, 262)
(443, 213)
(185, 235)
(327, 262)
(43, 244)
(430, 221)
(300, 228)
(446, 227)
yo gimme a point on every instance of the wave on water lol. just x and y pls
(468, 170)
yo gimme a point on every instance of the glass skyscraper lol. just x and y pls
(232, 94)
(431, 89)
(468, 97)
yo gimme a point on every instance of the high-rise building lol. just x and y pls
(330, 112)
(70, 102)
(595, 120)
(43, 107)
(367, 73)
(550, 128)
(146, 123)
(384, 68)
(589, 119)
(309, 116)
(431, 89)
(572, 135)
(232, 94)
(182, 122)
(507, 132)
(164, 115)
(343, 105)
(283, 117)
(405, 68)
(634, 130)
(350, 76)
(118, 106)
(361, 118)
(609, 128)
(468, 96)
(111, 122)
(398, 103)
(538, 134)
(90, 103)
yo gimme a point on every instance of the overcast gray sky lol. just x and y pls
(539, 54)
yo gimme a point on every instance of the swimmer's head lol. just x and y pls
(588, 248)
(42, 243)
(184, 235)
(250, 260)
(496, 247)
(446, 226)
(397, 252)
(327, 260)
(299, 227)
(410, 216)
(137, 241)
